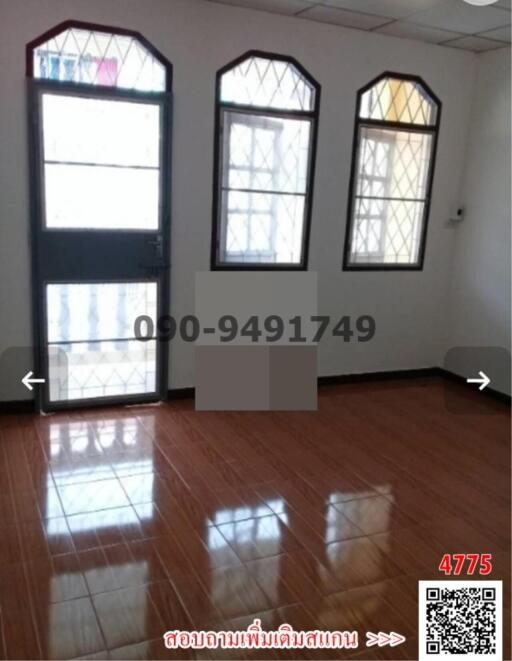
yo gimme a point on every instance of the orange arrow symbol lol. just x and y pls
(392, 639)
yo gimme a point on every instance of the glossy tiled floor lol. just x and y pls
(118, 524)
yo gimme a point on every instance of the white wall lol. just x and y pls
(200, 37)
(479, 304)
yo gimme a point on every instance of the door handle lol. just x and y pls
(157, 241)
(158, 245)
(155, 269)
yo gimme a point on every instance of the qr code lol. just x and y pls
(460, 618)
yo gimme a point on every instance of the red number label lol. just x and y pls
(485, 564)
(483, 561)
(459, 561)
(446, 564)
(473, 561)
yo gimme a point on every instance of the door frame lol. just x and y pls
(161, 274)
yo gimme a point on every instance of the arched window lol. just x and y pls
(79, 52)
(265, 143)
(397, 122)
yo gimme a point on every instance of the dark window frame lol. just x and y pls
(36, 195)
(96, 27)
(360, 122)
(312, 116)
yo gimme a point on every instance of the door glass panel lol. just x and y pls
(101, 163)
(99, 197)
(92, 351)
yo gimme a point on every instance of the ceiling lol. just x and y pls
(451, 23)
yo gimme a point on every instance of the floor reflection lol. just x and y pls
(102, 487)
(87, 458)
(229, 515)
(119, 524)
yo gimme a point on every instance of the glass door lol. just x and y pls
(101, 242)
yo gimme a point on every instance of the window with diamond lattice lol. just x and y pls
(92, 55)
(267, 110)
(392, 170)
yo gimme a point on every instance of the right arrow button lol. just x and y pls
(484, 380)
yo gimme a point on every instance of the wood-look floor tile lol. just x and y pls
(104, 655)
(419, 504)
(198, 600)
(175, 519)
(282, 580)
(192, 508)
(176, 563)
(45, 538)
(144, 488)
(10, 549)
(106, 527)
(61, 573)
(269, 620)
(259, 538)
(151, 523)
(5, 479)
(331, 524)
(455, 535)
(136, 460)
(154, 650)
(68, 629)
(20, 635)
(358, 562)
(92, 496)
(339, 611)
(231, 505)
(402, 599)
(377, 613)
(169, 606)
(108, 568)
(7, 510)
(211, 551)
(127, 616)
(338, 486)
(407, 550)
(14, 588)
(67, 470)
(234, 592)
(375, 514)
(317, 573)
(41, 504)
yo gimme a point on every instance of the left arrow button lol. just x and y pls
(27, 380)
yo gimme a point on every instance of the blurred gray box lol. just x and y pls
(255, 376)
(231, 378)
(258, 378)
(293, 378)
(244, 294)
(15, 362)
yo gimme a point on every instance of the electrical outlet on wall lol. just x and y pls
(457, 215)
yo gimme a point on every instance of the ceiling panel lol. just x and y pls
(433, 21)
(474, 43)
(350, 19)
(459, 16)
(287, 7)
(390, 8)
(418, 32)
(501, 34)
